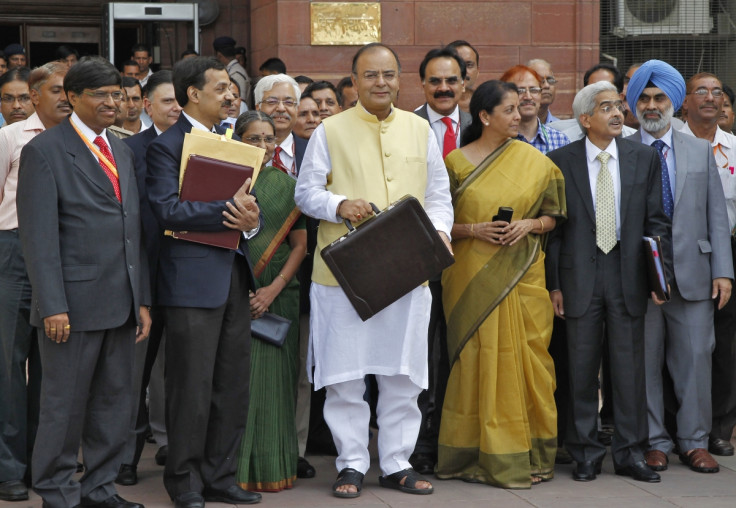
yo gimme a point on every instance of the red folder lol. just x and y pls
(208, 179)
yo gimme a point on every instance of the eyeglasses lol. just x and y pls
(257, 140)
(373, 75)
(451, 81)
(703, 92)
(274, 101)
(10, 99)
(102, 96)
(532, 90)
(549, 79)
(608, 108)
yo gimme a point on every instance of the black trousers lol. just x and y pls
(626, 349)
(207, 378)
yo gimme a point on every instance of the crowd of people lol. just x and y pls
(115, 332)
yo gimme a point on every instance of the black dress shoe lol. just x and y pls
(161, 455)
(112, 502)
(189, 500)
(232, 495)
(423, 463)
(586, 471)
(13, 490)
(639, 471)
(720, 447)
(304, 469)
(128, 475)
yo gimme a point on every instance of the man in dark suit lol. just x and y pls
(160, 103)
(681, 333)
(595, 261)
(203, 291)
(443, 76)
(79, 223)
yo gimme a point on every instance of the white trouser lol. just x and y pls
(399, 419)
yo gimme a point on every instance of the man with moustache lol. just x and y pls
(443, 75)
(277, 95)
(347, 93)
(325, 95)
(202, 291)
(141, 55)
(726, 119)
(160, 102)
(397, 155)
(134, 100)
(15, 95)
(130, 69)
(681, 333)
(471, 58)
(79, 225)
(15, 54)
(597, 277)
(549, 89)
(531, 129)
(20, 393)
(705, 97)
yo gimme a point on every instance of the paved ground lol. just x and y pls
(680, 487)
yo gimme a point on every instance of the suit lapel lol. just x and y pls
(681, 163)
(85, 162)
(579, 174)
(124, 166)
(626, 168)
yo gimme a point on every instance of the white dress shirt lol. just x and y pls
(594, 166)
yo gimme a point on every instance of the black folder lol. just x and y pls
(655, 267)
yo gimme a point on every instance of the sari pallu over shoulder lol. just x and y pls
(515, 175)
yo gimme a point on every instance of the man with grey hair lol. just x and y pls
(549, 89)
(20, 392)
(278, 96)
(613, 194)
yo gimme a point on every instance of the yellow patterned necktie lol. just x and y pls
(605, 207)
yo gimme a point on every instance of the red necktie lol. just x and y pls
(448, 143)
(105, 150)
(277, 160)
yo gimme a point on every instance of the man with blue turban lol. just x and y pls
(681, 332)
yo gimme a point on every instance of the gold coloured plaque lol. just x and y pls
(345, 23)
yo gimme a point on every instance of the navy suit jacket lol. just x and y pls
(152, 232)
(190, 274)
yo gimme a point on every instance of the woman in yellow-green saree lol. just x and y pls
(499, 420)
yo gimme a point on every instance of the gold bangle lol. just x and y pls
(541, 224)
(285, 279)
(472, 233)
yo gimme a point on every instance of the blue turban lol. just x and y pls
(664, 77)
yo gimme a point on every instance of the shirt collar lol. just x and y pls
(197, 124)
(433, 116)
(86, 131)
(648, 139)
(592, 151)
(287, 145)
(33, 123)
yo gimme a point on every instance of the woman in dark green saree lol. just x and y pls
(268, 453)
(499, 421)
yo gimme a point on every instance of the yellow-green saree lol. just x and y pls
(499, 420)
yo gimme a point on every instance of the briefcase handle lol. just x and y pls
(349, 224)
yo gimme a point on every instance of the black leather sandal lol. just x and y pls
(348, 476)
(393, 481)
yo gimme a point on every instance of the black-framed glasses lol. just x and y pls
(10, 99)
(450, 81)
(101, 96)
(275, 101)
(534, 90)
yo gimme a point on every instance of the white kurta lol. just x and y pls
(342, 347)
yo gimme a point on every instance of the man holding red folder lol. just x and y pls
(204, 292)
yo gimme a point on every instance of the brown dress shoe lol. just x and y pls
(656, 460)
(699, 460)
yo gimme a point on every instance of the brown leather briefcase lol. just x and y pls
(387, 256)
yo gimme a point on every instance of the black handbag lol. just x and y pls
(270, 328)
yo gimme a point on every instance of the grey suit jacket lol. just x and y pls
(81, 246)
(701, 239)
(571, 250)
(465, 121)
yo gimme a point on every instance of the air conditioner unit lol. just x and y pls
(662, 17)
